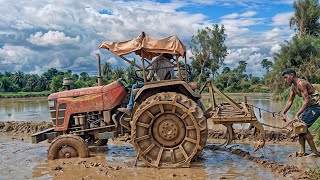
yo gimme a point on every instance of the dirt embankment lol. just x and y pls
(241, 134)
(23, 126)
(32, 127)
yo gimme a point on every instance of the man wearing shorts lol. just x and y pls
(309, 111)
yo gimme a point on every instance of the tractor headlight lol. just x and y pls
(51, 103)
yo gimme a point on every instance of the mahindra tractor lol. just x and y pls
(168, 122)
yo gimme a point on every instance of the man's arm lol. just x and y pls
(305, 96)
(289, 103)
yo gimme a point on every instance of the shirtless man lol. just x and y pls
(309, 111)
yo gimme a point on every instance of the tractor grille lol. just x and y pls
(53, 115)
(61, 113)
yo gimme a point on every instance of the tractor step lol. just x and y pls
(44, 135)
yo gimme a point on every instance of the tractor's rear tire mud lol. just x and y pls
(68, 146)
(168, 130)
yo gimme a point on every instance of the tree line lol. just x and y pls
(52, 79)
(302, 53)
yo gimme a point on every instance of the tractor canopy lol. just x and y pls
(151, 47)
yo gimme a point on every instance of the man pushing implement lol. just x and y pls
(309, 111)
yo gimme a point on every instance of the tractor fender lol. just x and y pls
(152, 88)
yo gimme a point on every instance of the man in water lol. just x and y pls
(309, 111)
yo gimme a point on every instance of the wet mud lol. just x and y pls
(242, 134)
(285, 170)
(24, 126)
(116, 161)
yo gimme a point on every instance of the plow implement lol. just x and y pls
(230, 112)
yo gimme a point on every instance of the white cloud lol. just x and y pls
(112, 61)
(248, 14)
(237, 15)
(275, 48)
(282, 19)
(66, 34)
(52, 38)
(251, 56)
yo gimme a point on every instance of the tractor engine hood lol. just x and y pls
(84, 91)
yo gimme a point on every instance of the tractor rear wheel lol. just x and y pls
(168, 130)
(68, 146)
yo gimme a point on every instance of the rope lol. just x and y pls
(276, 113)
(277, 127)
(273, 113)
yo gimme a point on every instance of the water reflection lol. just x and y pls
(24, 109)
(36, 109)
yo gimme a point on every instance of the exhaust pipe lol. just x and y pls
(99, 71)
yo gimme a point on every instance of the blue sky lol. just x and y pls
(37, 35)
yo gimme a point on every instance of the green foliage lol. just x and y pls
(236, 80)
(23, 94)
(306, 17)
(56, 83)
(209, 51)
(266, 64)
(300, 53)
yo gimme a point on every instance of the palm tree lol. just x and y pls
(107, 70)
(306, 17)
(33, 81)
(118, 73)
(19, 78)
(5, 84)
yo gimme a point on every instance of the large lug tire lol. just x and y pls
(168, 130)
(68, 146)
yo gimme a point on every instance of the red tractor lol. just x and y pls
(168, 123)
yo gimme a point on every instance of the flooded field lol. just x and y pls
(36, 109)
(24, 160)
(24, 109)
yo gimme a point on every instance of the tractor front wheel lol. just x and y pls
(68, 146)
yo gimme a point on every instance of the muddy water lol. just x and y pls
(24, 109)
(36, 109)
(23, 160)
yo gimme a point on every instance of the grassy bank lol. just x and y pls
(23, 94)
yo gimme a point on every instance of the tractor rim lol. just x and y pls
(67, 152)
(168, 130)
